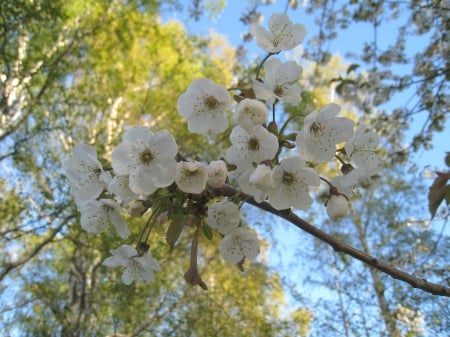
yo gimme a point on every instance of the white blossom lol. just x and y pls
(120, 186)
(359, 176)
(361, 148)
(292, 180)
(224, 216)
(84, 171)
(204, 105)
(251, 113)
(191, 177)
(137, 208)
(217, 173)
(137, 267)
(321, 132)
(251, 147)
(148, 158)
(97, 215)
(257, 182)
(412, 320)
(344, 185)
(279, 82)
(337, 207)
(239, 244)
(282, 34)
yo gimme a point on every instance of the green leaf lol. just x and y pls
(437, 192)
(352, 67)
(340, 87)
(338, 79)
(447, 159)
(207, 231)
(175, 228)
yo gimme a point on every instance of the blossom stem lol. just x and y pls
(325, 180)
(234, 89)
(333, 189)
(258, 69)
(340, 160)
(273, 112)
(145, 233)
(285, 124)
(192, 276)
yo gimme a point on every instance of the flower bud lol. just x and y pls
(337, 207)
(288, 145)
(138, 207)
(262, 177)
(217, 173)
(273, 128)
(191, 177)
(251, 113)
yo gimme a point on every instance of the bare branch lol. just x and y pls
(24, 259)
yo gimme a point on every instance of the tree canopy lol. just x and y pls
(85, 72)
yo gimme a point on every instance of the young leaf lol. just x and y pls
(438, 191)
(352, 67)
(175, 229)
(207, 231)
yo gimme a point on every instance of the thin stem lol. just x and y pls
(145, 233)
(326, 180)
(192, 276)
(340, 160)
(234, 89)
(285, 124)
(273, 112)
(258, 69)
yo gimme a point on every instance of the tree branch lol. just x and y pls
(35, 250)
(340, 246)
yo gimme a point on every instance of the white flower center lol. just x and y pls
(316, 128)
(253, 144)
(288, 179)
(278, 90)
(211, 102)
(146, 157)
(279, 37)
(189, 172)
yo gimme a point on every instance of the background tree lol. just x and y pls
(99, 68)
(405, 56)
(103, 71)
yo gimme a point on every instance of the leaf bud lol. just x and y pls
(138, 207)
(291, 136)
(273, 128)
(288, 145)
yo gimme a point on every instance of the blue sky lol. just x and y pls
(228, 24)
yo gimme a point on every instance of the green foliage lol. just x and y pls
(87, 70)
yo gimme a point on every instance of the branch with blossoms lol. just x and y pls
(274, 170)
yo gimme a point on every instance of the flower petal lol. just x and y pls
(129, 274)
(94, 218)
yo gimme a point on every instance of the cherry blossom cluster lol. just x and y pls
(150, 178)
